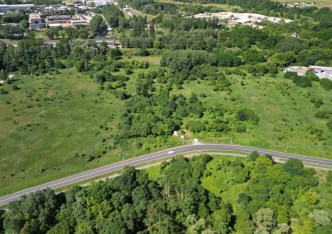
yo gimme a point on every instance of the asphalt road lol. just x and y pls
(153, 156)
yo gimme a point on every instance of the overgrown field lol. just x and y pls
(51, 126)
(54, 125)
(58, 124)
(287, 119)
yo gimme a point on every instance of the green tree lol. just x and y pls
(265, 219)
(294, 167)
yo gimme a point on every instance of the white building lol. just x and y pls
(18, 7)
(320, 71)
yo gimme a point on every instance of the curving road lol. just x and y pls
(153, 156)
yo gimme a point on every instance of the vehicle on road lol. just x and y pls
(171, 152)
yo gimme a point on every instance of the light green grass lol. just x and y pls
(54, 117)
(153, 172)
(285, 112)
(39, 140)
(154, 60)
(218, 180)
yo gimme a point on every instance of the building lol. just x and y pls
(20, 7)
(57, 18)
(36, 22)
(65, 21)
(79, 22)
(320, 71)
(109, 40)
(51, 42)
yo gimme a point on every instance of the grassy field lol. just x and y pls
(287, 117)
(52, 126)
(55, 125)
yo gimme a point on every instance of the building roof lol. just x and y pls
(57, 17)
(105, 39)
(34, 16)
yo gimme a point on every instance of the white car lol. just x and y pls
(171, 152)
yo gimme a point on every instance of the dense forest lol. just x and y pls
(198, 195)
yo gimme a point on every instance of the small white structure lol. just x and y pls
(175, 133)
(321, 72)
(250, 19)
(17, 7)
(195, 141)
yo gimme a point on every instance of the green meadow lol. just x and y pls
(287, 119)
(52, 126)
(58, 124)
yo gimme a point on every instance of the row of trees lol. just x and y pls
(276, 198)
(151, 7)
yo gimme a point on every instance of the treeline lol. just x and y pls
(35, 57)
(258, 5)
(179, 23)
(113, 15)
(150, 6)
(11, 32)
(13, 17)
(182, 198)
(275, 44)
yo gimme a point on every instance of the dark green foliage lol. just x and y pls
(34, 213)
(132, 203)
(1, 221)
(253, 155)
(317, 102)
(97, 25)
(243, 199)
(196, 126)
(112, 15)
(151, 7)
(326, 83)
(301, 81)
(294, 167)
(13, 17)
(162, 116)
(322, 114)
(11, 32)
(253, 57)
(329, 125)
(247, 115)
(128, 203)
(329, 176)
(184, 61)
(115, 53)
